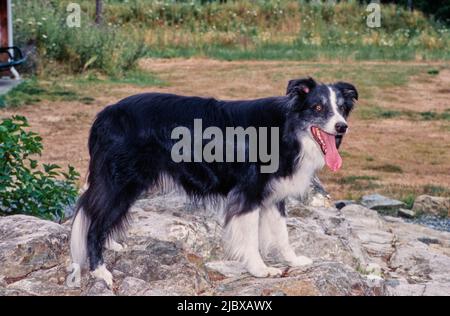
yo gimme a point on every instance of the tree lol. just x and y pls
(98, 11)
(439, 9)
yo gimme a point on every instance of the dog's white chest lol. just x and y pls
(300, 181)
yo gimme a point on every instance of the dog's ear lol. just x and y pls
(347, 89)
(300, 87)
(349, 93)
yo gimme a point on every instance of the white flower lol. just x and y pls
(44, 36)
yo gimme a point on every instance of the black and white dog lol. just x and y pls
(131, 149)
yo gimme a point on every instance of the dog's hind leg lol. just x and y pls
(105, 223)
(274, 235)
(241, 243)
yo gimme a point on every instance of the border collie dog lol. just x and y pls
(130, 146)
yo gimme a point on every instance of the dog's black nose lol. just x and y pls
(341, 127)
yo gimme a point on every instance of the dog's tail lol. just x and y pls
(78, 239)
(78, 244)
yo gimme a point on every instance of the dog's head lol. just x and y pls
(320, 111)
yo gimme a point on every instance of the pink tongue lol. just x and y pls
(332, 157)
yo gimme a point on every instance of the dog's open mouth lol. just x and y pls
(327, 143)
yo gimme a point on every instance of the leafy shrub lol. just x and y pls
(102, 47)
(409, 200)
(262, 29)
(25, 186)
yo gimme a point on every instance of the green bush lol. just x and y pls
(247, 29)
(102, 47)
(25, 186)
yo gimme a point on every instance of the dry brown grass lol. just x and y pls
(421, 149)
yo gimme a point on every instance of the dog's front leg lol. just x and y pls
(274, 236)
(241, 239)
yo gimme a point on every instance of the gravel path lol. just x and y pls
(435, 222)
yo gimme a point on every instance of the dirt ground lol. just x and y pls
(418, 149)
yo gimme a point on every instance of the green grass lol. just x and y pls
(27, 92)
(139, 78)
(409, 200)
(387, 168)
(136, 77)
(282, 51)
(74, 88)
(359, 183)
(436, 190)
(32, 92)
(431, 116)
(87, 100)
(372, 112)
(433, 72)
(354, 179)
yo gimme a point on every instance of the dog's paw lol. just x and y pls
(74, 277)
(102, 273)
(115, 246)
(265, 272)
(299, 261)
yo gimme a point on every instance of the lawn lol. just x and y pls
(399, 139)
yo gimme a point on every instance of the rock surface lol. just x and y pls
(174, 248)
(406, 213)
(434, 205)
(381, 203)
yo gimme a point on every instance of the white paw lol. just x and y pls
(74, 278)
(265, 272)
(102, 273)
(299, 261)
(113, 245)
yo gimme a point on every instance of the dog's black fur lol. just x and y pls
(130, 148)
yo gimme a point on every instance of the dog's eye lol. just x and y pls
(318, 108)
(341, 108)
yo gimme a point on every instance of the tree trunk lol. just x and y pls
(98, 11)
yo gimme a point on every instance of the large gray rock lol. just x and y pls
(174, 248)
(382, 204)
(30, 244)
(432, 205)
(323, 278)
(406, 213)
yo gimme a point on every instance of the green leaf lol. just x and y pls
(24, 187)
